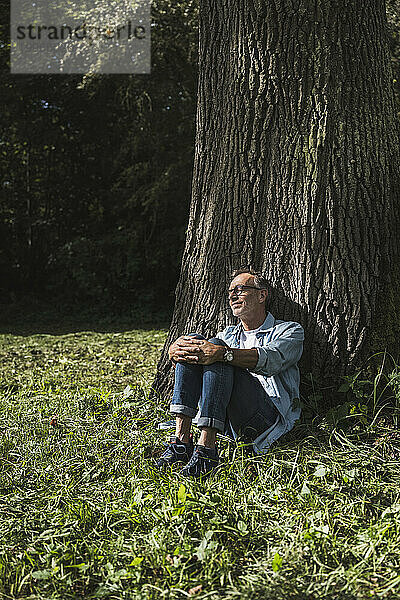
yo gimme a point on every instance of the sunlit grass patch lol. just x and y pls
(84, 513)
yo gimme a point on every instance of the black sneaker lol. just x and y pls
(202, 464)
(176, 452)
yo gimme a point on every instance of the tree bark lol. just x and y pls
(296, 173)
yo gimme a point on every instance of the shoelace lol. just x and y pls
(174, 448)
(200, 465)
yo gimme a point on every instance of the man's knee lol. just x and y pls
(215, 341)
(218, 342)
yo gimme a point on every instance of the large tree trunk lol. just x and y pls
(296, 172)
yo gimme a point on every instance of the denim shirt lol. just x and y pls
(279, 347)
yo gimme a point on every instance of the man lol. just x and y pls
(244, 382)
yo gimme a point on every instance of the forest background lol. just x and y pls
(96, 175)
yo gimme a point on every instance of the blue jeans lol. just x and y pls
(226, 395)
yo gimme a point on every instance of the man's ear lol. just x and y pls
(265, 296)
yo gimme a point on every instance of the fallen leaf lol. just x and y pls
(194, 590)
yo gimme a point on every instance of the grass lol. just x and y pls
(84, 515)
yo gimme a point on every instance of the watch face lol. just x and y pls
(229, 355)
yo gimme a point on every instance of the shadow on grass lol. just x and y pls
(30, 318)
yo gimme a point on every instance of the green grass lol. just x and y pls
(84, 515)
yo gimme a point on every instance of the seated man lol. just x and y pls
(243, 382)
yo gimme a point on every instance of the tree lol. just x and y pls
(296, 171)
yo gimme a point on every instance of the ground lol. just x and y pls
(83, 513)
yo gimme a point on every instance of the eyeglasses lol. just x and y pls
(240, 289)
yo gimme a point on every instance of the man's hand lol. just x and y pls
(176, 350)
(193, 351)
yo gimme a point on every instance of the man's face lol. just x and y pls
(249, 301)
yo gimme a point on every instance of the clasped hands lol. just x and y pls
(193, 351)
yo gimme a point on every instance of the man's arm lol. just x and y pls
(271, 358)
(282, 352)
(201, 352)
(244, 358)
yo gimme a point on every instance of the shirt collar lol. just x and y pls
(268, 324)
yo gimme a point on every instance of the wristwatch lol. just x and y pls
(228, 355)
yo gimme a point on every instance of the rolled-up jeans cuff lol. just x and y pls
(182, 409)
(209, 422)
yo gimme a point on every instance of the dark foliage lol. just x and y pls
(95, 173)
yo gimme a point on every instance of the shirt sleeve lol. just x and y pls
(221, 334)
(282, 352)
